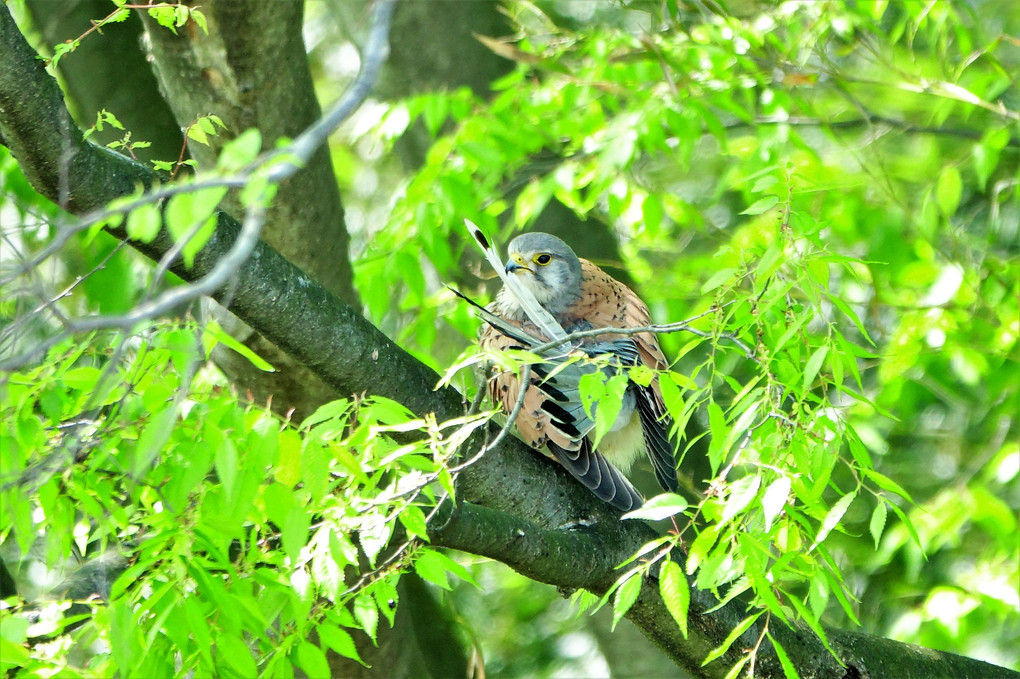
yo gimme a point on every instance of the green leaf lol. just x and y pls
(774, 499)
(233, 653)
(659, 507)
(986, 154)
(432, 568)
(809, 618)
(948, 190)
(909, 525)
(651, 210)
(877, 523)
(789, 671)
(718, 278)
(699, 548)
(152, 439)
(761, 205)
(214, 334)
(226, 463)
(310, 659)
(367, 614)
(730, 638)
(734, 671)
(833, 516)
(413, 520)
(885, 483)
(339, 640)
(857, 448)
(764, 183)
(192, 217)
(144, 222)
(719, 431)
(742, 493)
(609, 406)
(626, 595)
(241, 150)
(676, 593)
(294, 533)
(813, 365)
(288, 465)
(196, 133)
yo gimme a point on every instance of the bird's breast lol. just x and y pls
(625, 442)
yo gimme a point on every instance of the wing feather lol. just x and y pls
(553, 416)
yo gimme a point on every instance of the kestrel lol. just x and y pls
(580, 296)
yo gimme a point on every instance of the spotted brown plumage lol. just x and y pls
(580, 296)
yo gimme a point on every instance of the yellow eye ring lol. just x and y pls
(542, 259)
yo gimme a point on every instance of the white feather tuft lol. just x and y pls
(525, 298)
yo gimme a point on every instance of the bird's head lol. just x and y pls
(547, 267)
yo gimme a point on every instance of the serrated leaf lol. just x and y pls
(719, 431)
(774, 499)
(676, 593)
(659, 507)
(877, 523)
(699, 548)
(196, 133)
(431, 568)
(742, 493)
(310, 659)
(625, 597)
(373, 536)
(809, 618)
(910, 527)
(413, 520)
(737, 667)
(761, 205)
(730, 638)
(784, 660)
(833, 516)
(885, 483)
(857, 448)
(339, 640)
(367, 615)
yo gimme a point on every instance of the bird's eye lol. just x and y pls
(543, 259)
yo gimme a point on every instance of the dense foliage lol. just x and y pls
(829, 193)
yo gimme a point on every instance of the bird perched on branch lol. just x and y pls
(579, 296)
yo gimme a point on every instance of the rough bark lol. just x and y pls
(516, 507)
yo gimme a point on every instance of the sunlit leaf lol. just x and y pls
(675, 592)
(626, 595)
(833, 517)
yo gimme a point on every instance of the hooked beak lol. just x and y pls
(514, 267)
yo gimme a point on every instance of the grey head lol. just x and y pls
(548, 268)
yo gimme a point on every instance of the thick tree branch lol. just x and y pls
(521, 506)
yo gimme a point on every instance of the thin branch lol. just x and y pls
(680, 326)
(376, 50)
(297, 155)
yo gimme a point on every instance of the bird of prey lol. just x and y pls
(579, 296)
